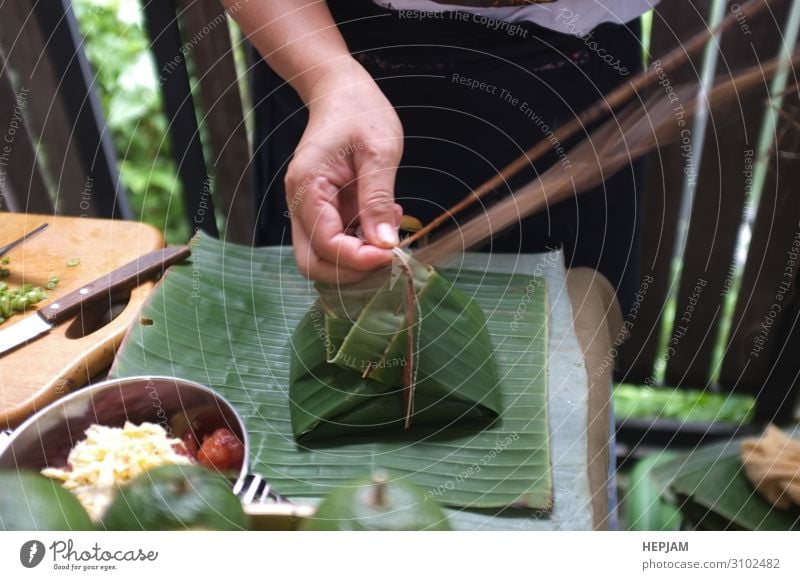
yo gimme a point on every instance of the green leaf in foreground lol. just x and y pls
(720, 492)
(226, 319)
(711, 489)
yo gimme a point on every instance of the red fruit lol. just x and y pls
(221, 450)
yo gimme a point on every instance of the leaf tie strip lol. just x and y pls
(412, 338)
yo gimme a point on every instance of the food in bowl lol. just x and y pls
(187, 411)
(221, 450)
(112, 456)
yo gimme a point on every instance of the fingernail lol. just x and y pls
(387, 235)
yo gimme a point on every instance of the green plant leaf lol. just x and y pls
(647, 508)
(226, 319)
(453, 365)
(718, 495)
(711, 489)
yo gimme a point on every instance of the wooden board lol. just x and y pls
(673, 23)
(761, 354)
(597, 317)
(22, 187)
(61, 361)
(723, 180)
(45, 115)
(221, 100)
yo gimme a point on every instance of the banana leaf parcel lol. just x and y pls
(227, 319)
(410, 349)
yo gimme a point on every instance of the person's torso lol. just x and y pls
(576, 17)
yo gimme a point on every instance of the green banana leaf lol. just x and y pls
(226, 318)
(719, 496)
(349, 365)
(710, 488)
(646, 505)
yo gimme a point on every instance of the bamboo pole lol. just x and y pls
(605, 105)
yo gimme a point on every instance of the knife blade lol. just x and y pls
(129, 275)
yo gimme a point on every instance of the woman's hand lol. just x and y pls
(343, 169)
(342, 176)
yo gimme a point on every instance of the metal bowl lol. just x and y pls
(46, 439)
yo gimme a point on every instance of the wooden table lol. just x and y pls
(597, 317)
(74, 352)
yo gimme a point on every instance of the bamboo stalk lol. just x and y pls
(632, 133)
(606, 104)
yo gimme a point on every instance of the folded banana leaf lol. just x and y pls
(226, 319)
(710, 488)
(414, 349)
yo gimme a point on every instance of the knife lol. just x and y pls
(8, 247)
(129, 275)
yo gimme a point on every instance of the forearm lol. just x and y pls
(298, 38)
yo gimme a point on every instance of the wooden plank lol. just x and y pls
(597, 317)
(88, 131)
(22, 42)
(723, 176)
(162, 27)
(204, 28)
(673, 23)
(21, 184)
(778, 398)
(758, 359)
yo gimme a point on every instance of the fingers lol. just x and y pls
(323, 251)
(312, 266)
(322, 222)
(376, 169)
(324, 197)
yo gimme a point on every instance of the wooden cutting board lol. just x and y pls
(75, 351)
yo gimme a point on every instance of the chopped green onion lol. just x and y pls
(5, 261)
(19, 299)
(72, 262)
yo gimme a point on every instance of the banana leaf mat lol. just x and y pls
(225, 319)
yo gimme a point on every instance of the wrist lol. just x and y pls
(342, 74)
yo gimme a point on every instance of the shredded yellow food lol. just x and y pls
(110, 456)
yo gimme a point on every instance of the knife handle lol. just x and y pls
(131, 274)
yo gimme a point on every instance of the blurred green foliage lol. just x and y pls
(117, 47)
(681, 405)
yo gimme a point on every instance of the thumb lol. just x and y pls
(377, 213)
